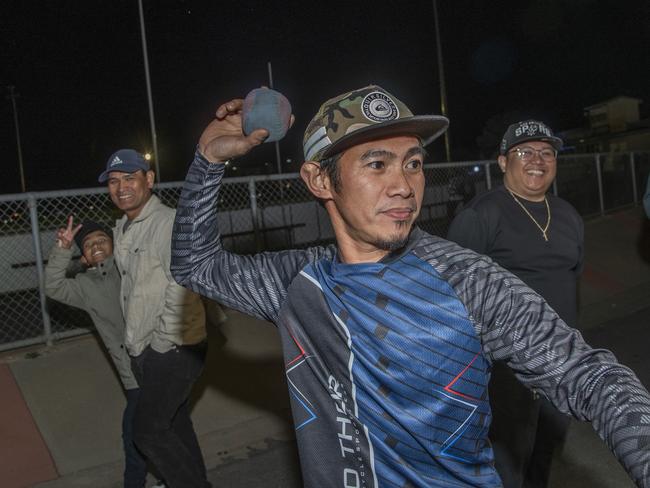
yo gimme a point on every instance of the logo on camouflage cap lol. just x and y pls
(378, 107)
(363, 115)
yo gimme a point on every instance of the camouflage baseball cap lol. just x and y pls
(363, 115)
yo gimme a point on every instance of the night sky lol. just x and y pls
(78, 67)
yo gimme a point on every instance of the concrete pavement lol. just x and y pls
(76, 401)
(73, 399)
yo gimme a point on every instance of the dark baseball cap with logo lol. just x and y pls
(88, 227)
(125, 161)
(528, 130)
(363, 115)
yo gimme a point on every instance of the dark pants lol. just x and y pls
(163, 428)
(135, 465)
(525, 431)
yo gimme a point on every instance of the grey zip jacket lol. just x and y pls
(97, 291)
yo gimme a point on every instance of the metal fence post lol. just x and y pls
(38, 255)
(635, 194)
(599, 176)
(488, 176)
(252, 195)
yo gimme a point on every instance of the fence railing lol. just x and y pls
(261, 213)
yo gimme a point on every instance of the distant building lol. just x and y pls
(613, 126)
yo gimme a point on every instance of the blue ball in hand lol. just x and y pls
(268, 109)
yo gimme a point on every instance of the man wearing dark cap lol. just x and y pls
(389, 336)
(539, 238)
(165, 323)
(97, 291)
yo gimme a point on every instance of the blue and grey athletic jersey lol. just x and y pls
(388, 363)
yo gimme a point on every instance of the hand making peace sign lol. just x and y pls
(65, 236)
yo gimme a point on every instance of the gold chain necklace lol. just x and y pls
(548, 213)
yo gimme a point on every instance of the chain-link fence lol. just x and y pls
(261, 213)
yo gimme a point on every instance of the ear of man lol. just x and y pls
(502, 160)
(317, 180)
(151, 178)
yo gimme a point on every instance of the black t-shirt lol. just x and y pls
(494, 224)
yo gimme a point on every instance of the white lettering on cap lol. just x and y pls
(531, 129)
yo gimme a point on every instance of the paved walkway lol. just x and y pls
(61, 406)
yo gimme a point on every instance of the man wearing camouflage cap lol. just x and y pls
(389, 336)
(540, 239)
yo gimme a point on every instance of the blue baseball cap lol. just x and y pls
(124, 161)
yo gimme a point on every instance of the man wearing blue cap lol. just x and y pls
(165, 323)
(389, 336)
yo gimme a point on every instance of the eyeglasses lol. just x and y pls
(96, 242)
(527, 153)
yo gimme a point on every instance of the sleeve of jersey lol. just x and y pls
(255, 285)
(517, 326)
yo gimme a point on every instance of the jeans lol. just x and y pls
(163, 427)
(135, 465)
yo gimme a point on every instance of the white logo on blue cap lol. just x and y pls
(116, 161)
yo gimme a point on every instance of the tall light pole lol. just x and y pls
(152, 119)
(441, 76)
(13, 95)
(277, 143)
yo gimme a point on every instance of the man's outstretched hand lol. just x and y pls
(65, 235)
(224, 139)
